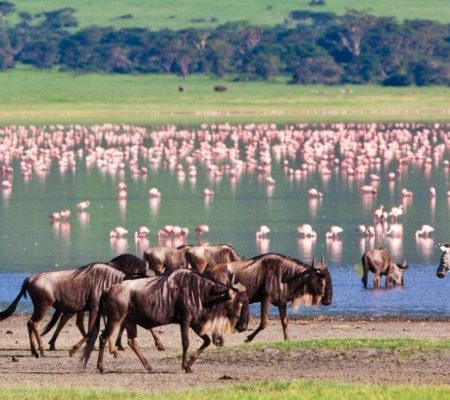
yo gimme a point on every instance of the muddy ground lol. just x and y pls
(222, 367)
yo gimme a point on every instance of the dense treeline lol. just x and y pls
(315, 47)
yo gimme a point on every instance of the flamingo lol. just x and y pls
(262, 232)
(142, 232)
(432, 192)
(154, 193)
(118, 232)
(83, 205)
(65, 214)
(334, 232)
(313, 193)
(425, 232)
(306, 230)
(395, 213)
(6, 184)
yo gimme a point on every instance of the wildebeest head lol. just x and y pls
(314, 286)
(228, 309)
(444, 263)
(396, 278)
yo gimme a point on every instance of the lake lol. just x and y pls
(260, 175)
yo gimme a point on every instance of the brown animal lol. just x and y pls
(276, 279)
(133, 267)
(182, 297)
(379, 262)
(444, 262)
(162, 259)
(201, 258)
(67, 291)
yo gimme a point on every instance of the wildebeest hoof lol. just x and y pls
(115, 354)
(120, 347)
(188, 370)
(160, 347)
(52, 348)
(72, 352)
(101, 370)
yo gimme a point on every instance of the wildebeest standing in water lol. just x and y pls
(183, 297)
(379, 262)
(133, 267)
(276, 279)
(67, 291)
(444, 263)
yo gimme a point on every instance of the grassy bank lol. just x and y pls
(30, 96)
(179, 14)
(305, 390)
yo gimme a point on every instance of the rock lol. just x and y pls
(14, 359)
(227, 378)
(9, 332)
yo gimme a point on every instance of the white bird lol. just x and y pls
(154, 193)
(334, 232)
(118, 232)
(306, 230)
(425, 231)
(142, 232)
(263, 232)
(83, 205)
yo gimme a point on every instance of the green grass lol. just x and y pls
(305, 390)
(30, 96)
(177, 14)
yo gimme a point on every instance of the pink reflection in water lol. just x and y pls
(263, 245)
(425, 247)
(334, 248)
(119, 245)
(306, 247)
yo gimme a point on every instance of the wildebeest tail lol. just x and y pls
(51, 323)
(10, 310)
(92, 335)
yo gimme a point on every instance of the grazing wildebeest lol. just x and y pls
(277, 279)
(67, 291)
(183, 297)
(379, 262)
(444, 263)
(202, 257)
(162, 259)
(133, 267)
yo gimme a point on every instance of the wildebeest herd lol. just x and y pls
(205, 288)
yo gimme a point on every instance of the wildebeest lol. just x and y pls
(182, 297)
(277, 279)
(202, 257)
(220, 88)
(162, 259)
(67, 291)
(379, 262)
(444, 263)
(132, 267)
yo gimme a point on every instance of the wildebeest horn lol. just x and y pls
(314, 262)
(233, 278)
(322, 260)
(404, 262)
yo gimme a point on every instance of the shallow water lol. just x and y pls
(30, 243)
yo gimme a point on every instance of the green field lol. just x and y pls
(176, 14)
(305, 390)
(30, 96)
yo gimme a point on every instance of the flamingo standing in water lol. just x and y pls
(306, 230)
(83, 205)
(425, 232)
(334, 232)
(142, 232)
(262, 232)
(118, 232)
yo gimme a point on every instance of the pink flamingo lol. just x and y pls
(65, 214)
(142, 232)
(201, 230)
(432, 192)
(313, 193)
(118, 232)
(154, 193)
(334, 232)
(83, 205)
(262, 232)
(425, 232)
(307, 231)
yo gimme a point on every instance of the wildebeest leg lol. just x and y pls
(205, 344)
(264, 317)
(217, 339)
(284, 320)
(110, 327)
(376, 280)
(80, 323)
(76, 347)
(184, 327)
(62, 321)
(365, 272)
(33, 322)
(119, 337)
(157, 341)
(132, 335)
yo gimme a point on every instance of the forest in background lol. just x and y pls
(315, 47)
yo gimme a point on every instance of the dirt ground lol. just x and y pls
(220, 367)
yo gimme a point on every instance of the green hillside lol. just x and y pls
(176, 14)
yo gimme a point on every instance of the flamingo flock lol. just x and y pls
(368, 157)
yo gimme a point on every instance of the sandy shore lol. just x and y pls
(221, 367)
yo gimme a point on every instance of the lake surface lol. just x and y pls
(244, 199)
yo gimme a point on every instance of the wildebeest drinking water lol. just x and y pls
(183, 297)
(379, 262)
(444, 263)
(277, 279)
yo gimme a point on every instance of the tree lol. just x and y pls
(317, 70)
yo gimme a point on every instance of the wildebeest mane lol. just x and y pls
(129, 264)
